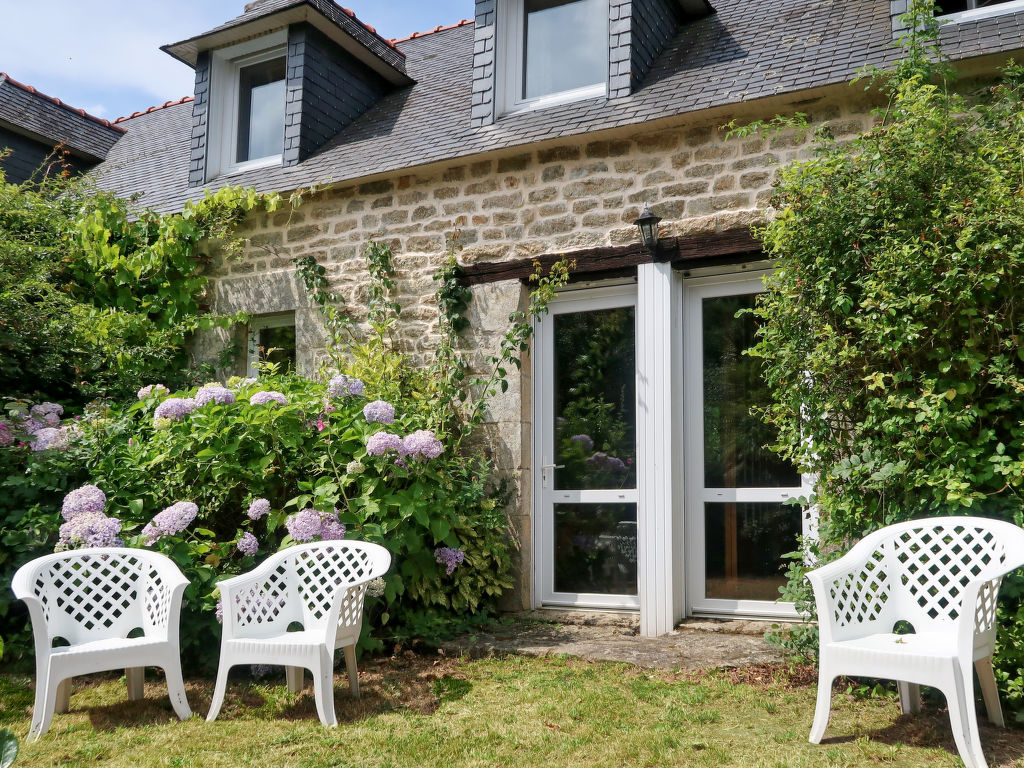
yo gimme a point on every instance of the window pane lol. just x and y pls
(734, 439)
(595, 548)
(566, 45)
(956, 6)
(595, 399)
(744, 545)
(277, 345)
(261, 99)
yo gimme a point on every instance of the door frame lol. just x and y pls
(609, 296)
(691, 428)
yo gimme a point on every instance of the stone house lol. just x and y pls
(539, 129)
(33, 124)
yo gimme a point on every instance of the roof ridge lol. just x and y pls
(54, 100)
(438, 28)
(172, 103)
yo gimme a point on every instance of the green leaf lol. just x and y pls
(8, 748)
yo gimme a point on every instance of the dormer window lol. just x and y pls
(552, 51)
(247, 97)
(970, 10)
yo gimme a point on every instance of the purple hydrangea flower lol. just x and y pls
(175, 519)
(219, 613)
(450, 557)
(304, 525)
(90, 529)
(248, 545)
(330, 528)
(215, 394)
(384, 442)
(342, 386)
(602, 461)
(29, 424)
(585, 440)
(88, 498)
(44, 408)
(309, 524)
(264, 398)
(259, 508)
(246, 382)
(153, 390)
(379, 411)
(49, 437)
(175, 408)
(6, 434)
(423, 444)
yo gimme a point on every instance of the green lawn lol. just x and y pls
(419, 711)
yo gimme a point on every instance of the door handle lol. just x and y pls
(545, 472)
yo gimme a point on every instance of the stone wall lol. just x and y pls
(548, 199)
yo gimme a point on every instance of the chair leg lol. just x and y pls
(176, 687)
(218, 692)
(823, 706)
(46, 700)
(293, 676)
(910, 697)
(989, 691)
(353, 671)
(63, 703)
(963, 720)
(323, 687)
(134, 677)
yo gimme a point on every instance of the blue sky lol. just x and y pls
(104, 55)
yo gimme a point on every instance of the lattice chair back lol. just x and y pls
(918, 572)
(98, 594)
(269, 606)
(325, 573)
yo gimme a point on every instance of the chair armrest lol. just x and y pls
(231, 590)
(852, 564)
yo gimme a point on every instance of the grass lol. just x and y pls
(419, 711)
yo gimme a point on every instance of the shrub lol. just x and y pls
(891, 327)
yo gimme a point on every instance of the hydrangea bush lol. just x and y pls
(217, 482)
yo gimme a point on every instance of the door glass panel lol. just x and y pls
(595, 548)
(277, 345)
(734, 439)
(744, 545)
(595, 399)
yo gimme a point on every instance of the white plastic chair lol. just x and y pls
(93, 599)
(942, 575)
(321, 586)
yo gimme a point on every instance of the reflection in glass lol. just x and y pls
(595, 399)
(566, 46)
(277, 345)
(734, 439)
(261, 100)
(744, 548)
(595, 548)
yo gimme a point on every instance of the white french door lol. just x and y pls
(585, 450)
(737, 522)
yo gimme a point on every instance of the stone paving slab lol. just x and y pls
(594, 636)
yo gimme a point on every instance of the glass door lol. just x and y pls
(585, 450)
(738, 524)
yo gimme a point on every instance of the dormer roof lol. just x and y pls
(337, 23)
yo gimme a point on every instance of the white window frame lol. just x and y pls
(257, 324)
(511, 21)
(222, 129)
(974, 14)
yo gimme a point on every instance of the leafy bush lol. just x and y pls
(310, 451)
(891, 328)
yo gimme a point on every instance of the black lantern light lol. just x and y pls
(648, 226)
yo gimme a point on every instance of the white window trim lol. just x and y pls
(222, 128)
(975, 14)
(257, 324)
(509, 60)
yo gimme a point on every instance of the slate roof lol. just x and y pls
(747, 50)
(32, 113)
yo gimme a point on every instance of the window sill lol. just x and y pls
(977, 14)
(251, 165)
(558, 99)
